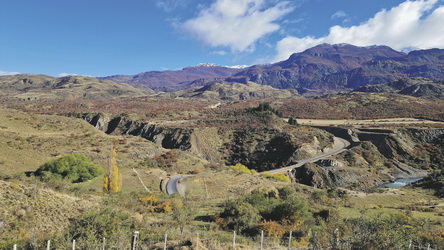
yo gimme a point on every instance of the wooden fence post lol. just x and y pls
(197, 241)
(234, 240)
(14, 247)
(103, 244)
(262, 238)
(73, 244)
(336, 239)
(289, 241)
(134, 240)
(165, 244)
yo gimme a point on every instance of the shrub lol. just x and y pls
(319, 196)
(272, 228)
(240, 216)
(242, 169)
(266, 175)
(97, 224)
(73, 167)
(149, 200)
(280, 177)
(292, 209)
(165, 207)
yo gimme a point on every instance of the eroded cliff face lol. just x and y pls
(170, 138)
(313, 174)
(376, 157)
(426, 135)
(259, 149)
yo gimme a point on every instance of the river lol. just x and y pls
(400, 182)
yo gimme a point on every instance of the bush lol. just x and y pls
(266, 175)
(242, 169)
(292, 209)
(279, 177)
(97, 224)
(241, 216)
(73, 167)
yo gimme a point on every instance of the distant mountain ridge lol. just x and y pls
(322, 69)
(233, 92)
(170, 80)
(34, 87)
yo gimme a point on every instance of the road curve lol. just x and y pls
(172, 185)
(339, 146)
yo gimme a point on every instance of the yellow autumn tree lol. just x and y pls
(112, 181)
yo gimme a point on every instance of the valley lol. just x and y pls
(295, 146)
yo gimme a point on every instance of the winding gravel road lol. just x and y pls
(173, 186)
(339, 146)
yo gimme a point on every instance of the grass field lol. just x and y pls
(29, 140)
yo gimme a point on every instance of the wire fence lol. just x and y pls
(203, 241)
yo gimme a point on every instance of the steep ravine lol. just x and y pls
(375, 157)
(260, 149)
(378, 156)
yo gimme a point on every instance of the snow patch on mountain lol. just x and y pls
(217, 65)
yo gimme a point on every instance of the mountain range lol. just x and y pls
(170, 80)
(322, 69)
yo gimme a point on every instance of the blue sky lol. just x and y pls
(108, 37)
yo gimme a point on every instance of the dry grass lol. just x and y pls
(374, 122)
(33, 211)
(422, 204)
(29, 140)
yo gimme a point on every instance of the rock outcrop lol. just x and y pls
(317, 176)
(261, 149)
(379, 156)
(426, 135)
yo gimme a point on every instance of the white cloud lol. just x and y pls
(338, 14)
(219, 53)
(236, 24)
(412, 24)
(5, 73)
(170, 5)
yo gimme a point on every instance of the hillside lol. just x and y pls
(34, 87)
(418, 87)
(358, 105)
(233, 92)
(163, 138)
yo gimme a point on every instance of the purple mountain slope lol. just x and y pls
(322, 69)
(176, 80)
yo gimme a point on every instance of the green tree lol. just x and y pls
(183, 214)
(73, 167)
(241, 216)
(292, 209)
